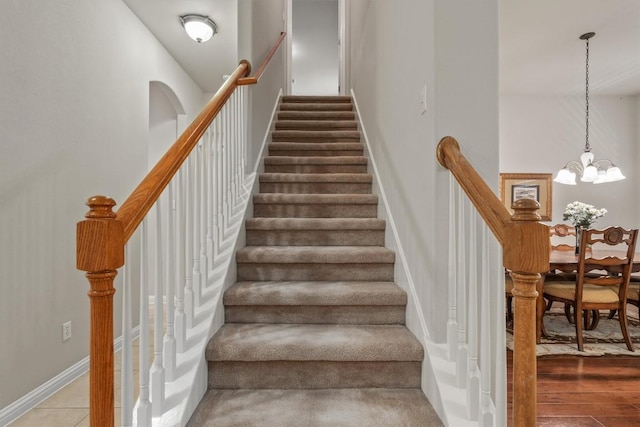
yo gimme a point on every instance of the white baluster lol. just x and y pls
(144, 405)
(238, 145)
(197, 277)
(204, 262)
(462, 289)
(126, 354)
(220, 182)
(189, 299)
(216, 210)
(157, 370)
(486, 413)
(452, 324)
(473, 380)
(210, 211)
(169, 338)
(225, 170)
(244, 139)
(233, 143)
(496, 308)
(180, 259)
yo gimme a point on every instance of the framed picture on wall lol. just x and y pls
(536, 186)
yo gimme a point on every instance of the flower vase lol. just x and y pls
(578, 236)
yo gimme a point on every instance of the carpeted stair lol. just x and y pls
(314, 329)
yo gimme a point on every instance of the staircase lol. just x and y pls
(314, 329)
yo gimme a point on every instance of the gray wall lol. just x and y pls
(74, 122)
(260, 24)
(396, 52)
(542, 133)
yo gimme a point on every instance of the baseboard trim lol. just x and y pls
(32, 399)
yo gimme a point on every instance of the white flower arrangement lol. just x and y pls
(581, 214)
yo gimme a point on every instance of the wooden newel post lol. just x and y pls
(99, 252)
(526, 255)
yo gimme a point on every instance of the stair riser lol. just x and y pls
(314, 375)
(315, 237)
(311, 115)
(315, 107)
(319, 210)
(277, 136)
(315, 188)
(316, 125)
(293, 168)
(296, 314)
(345, 271)
(314, 153)
(316, 99)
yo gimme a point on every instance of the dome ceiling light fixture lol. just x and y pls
(200, 28)
(589, 170)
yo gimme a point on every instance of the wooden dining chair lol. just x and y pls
(605, 291)
(633, 296)
(562, 237)
(508, 287)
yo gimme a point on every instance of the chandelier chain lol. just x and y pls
(587, 146)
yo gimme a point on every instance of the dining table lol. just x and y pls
(567, 262)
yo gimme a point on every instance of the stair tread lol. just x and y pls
(374, 407)
(316, 98)
(315, 115)
(310, 106)
(315, 254)
(294, 134)
(333, 199)
(316, 177)
(316, 146)
(313, 342)
(311, 123)
(315, 293)
(315, 160)
(314, 224)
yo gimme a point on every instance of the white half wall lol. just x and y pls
(542, 133)
(396, 53)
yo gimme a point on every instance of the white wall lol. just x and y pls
(74, 122)
(395, 52)
(261, 23)
(315, 58)
(542, 133)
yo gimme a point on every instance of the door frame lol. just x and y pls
(342, 48)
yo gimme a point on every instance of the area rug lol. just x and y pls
(606, 339)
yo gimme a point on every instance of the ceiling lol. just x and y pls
(206, 63)
(541, 53)
(540, 49)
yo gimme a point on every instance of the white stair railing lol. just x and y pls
(476, 325)
(186, 232)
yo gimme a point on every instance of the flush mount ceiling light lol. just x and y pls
(200, 28)
(590, 170)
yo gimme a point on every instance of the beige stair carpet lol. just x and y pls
(314, 331)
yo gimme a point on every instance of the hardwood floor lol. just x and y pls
(586, 391)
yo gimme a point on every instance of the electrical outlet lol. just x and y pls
(66, 331)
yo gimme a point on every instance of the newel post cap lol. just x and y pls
(100, 237)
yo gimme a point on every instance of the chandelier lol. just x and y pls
(589, 170)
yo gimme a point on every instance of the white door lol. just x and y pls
(315, 66)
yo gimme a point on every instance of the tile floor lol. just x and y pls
(69, 407)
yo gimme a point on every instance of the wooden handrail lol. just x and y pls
(525, 244)
(136, 207)
(256, 77)
(492, 210)
(102, 235)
